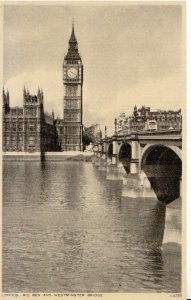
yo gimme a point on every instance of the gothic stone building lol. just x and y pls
(28, 128)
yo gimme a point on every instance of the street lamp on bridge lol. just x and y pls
(105, 131)
(115, 126)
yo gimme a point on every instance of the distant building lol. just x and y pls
(137, 121)
(122, 123)
(94, 131)
(28, 128)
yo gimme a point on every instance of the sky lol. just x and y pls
(132, 54)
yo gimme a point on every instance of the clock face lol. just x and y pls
(72, 73)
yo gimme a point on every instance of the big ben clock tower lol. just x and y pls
(72, 81)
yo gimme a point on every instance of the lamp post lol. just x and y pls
(115, 126)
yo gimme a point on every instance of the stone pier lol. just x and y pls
(137, 186)
(173, 223)
(103, 163)
(103, 158)
(115, 169)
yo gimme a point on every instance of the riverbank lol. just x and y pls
(48, 156)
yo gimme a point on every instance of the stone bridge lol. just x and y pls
(149, 163)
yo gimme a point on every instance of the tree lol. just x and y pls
(87, 138)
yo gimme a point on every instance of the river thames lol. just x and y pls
(68, 229)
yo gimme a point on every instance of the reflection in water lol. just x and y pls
(66, 228)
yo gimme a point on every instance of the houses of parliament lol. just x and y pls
(30, 129)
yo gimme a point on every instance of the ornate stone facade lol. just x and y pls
(139, 119)
(73, 81)
(28, 128)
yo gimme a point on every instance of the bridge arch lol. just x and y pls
(163, 167)
(148, 148)
(125, 156)
(123, 144)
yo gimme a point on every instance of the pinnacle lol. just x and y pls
(73, 37)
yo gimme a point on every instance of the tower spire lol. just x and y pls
(73, 37)
(24, 91)
(73, 53)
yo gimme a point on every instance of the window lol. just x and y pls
(20, 126)
(31, 126)
(31, 140)
(7, 126)
(14, 126)
(7, 140)
(32, 111)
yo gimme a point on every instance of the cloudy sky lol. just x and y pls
(132, 54)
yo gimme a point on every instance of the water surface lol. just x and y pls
(67, 229)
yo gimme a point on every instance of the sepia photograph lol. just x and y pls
(93, 181)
